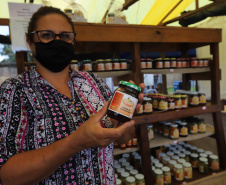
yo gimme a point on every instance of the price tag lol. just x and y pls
(171, 70)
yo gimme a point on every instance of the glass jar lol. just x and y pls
(169, 154)
(116, 65)
(166, 175)
(147, 105)
(150, 132)
(134, 140)
(193, 127)
(199, 151)
(182, 150)
(182, 156)
(187, 146)
(171, 103)
(160, 127)
(124, 175)
(194, 99)
(171, 166)
(74, 65)
(165, 160)
(183, 129)
(178, 172)
(201, 126)
(155, 101)
(163, 103)
(177, 152)
(214, 162)
(205, 62)
(130, 180)
(87, 65)
(118, 181)
(203, 155)
(137, 162)
(202, 98)
(187, 170)
(174, 132)
(166, 129)
(143, 63)
(187, 156)
(100, 66)
(178, 102)
(149, 63)
(181, 161)
(193, 149)
(175, 157)
(173, 63)
(161, 155)
(194, 62)
(184, 62)
(159, 180)
(158, 63)
(194, 160)
(184, 101)
(158, 165)
(139, 179)
(108, 65)
(124, 102)
(129, 168)
(179, 63)
(123, 64)
(155, 161)
(203, 165)
(120, 171)
(166, 63)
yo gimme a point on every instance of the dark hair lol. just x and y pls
(43, 11)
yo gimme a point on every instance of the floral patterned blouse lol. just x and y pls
(33, 114)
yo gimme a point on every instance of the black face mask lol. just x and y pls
(55, 55)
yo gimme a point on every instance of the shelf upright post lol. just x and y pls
(215, 99)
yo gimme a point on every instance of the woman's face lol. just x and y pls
(54, 22)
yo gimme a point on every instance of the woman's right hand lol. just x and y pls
(92, 134)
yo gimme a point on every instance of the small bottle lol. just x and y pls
(214, 163)
(174, 132)
(143, 63)
(166, 175)
(183, 129)
(187, 170)
(147, 105)
(203, 165)
(194, 160)
(202, 98)
(139, 179)
(124, 175)
(124, 101)
(123, 64)
(149, 63)
(201, 126)
(100, 65)
(130, 180)
(87, 65)
(171, 166)
(178, 172)
(116, 65)
(108, 65)
(166, 129)
(134, 142)
(159, 179)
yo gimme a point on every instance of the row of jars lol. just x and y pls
(178, 161)
(179, 128)
(128, 165)
(130, 144)
(166, 63)
(161, 102)
(101, 65)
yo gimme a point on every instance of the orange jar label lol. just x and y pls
(195, 164)
(87, 67)
(100, 67)
(108, 66)
(155, 104)
(202, 128)
(123, 65)
(149, 65)
(194, 100)
(166, 132)
(194, 129)
(202, 99)
(123, 104)
(174, 134)
(135, 142)
(148, 108)
(188, 173)
(184, 131)
(143, 65)
(116, 66)
(178, 103)
(159, 181)
(167, 179)
(184, 103)
(163, 105)
(179, 176)
(214, 165)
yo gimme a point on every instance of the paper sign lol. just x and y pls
(20, 14)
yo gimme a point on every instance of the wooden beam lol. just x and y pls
(191, 13)
(196, 4)
(170, 11)
(128, 3)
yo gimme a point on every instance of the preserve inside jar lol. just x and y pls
(124, 101)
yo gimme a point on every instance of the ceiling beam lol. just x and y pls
(191, 13)
(128, 3)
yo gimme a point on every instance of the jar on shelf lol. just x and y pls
(161, 155)
(203, 155)
(179, 63)
(175, 157)
(130, 180)
(134, 172)
(169, 154)
(150, 132)
(199, 151)
(194, 99)
(134, 140)
(120, 171)
(87, 65)
(149, 63)
(110, 17)
(143, 63)
(202, 98)
(178, 172)
(181, 161)
(182, 156)
(203, 165)
(188, 62)
(155, 102)
(124, 101)
(171, 166)
(124, 175)
(126, 156)
(194, 62)
(214, 162)
(165, 160)
(123, 64)
(171, 103)
(155, 161)
(194, 160)
(183, 129)
(201, 126)
(116, 64)
(193, 149)
(193, 127)
(147, 105)
(158, 63)
(137, 162)
(108, 64)
(187, 147)
(205, 62)
(139, 179)
(100, 65)
(200, 62)
(159, 179)
(173, 63)
(178, 102)
(166, 175)
(176, 152)
(158, 165)
(184, 62)
(174, 132)
(118, 181)
(166, 63)
(74, 65)
(166, 129)
(163, 103)
(184, 101)
(188, 173)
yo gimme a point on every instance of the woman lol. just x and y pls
(53, 123)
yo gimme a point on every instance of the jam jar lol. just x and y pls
(155, 102)
(173, 63)
(187, 170)
(166, 63)
(201, 126)
(74, 65)
(143, 63)
(158, 63)
(108, 64)
(184, 101)
(87, 65)
(171, 103)
(202, 98)
(178, 102)
(166, 175)
(100, 65)
(183, 129)
(203, 165)
(214, 162)
(123, 64)
(159, 179)
(147, 105)
(149, 63)
(116, 64)
(174, 132)
(139, 179)
(178, 172)
(193, 126)
(194, 99)
(124, 101)
(166, 129)
(194, 160)
(163, 103)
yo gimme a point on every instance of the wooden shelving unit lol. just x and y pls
(140, 38)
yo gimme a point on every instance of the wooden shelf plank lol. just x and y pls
(175, 71)
(112, 74)
(171, 115)
(161, 141)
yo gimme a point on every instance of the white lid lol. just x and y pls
(158, 165)
(118, 182)
(158, 171)
(187, 145)
(186, 164)
(187, 152)
(169, 153)
(172, 162)
(128, 168)
(203, 155)
(165, 169)
(182, 149)
(213, 156)
(178, 146)
(146, 99)
(166, 158)
(200, 150)
(181, 143)
(183, 123)
(125, 164)
(139, 176)
(193, 148)
(174, 125)
(121, 170)
(208, 152)
(121, 160)
(203, 159)
(116, 161)
(133, 172)
(167, 123)
(181, 161)
(125, 174)
(130, 179)
(175, 157)
(177, 151)
(194, 155)
(155, 161)
(125, 155)
(181, 155)
(117, 166)
(162, 154)
(137, 157)
(178, 166)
